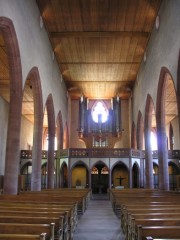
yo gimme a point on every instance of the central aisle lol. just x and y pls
(99, 223)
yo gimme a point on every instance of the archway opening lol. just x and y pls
(173, 174)
(156, 175)
(80, 175)
(135, 176)
(24, 181)
(64, 175)
(99, 178)
(120, 176)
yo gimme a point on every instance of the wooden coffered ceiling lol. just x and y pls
(99, 44)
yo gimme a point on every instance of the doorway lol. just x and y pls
(99, 178)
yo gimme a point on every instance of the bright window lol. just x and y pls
(153, 141)
(99, 111)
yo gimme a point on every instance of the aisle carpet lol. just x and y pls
(99, 222)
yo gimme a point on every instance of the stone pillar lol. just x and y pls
(36, 156)
(57, 173)
(149, 160)
(50, 162)
(163, 159)
(69, 174)
(141, 173)
(15, 107)
(89, 178)
(110, 182)
(12, 148)
(130, 173)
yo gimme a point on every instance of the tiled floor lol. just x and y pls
(99, 222)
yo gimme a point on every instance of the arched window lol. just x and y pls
(99, 112)
(153, 141)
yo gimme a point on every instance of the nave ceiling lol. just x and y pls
(99, 46)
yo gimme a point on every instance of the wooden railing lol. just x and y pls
(100, 152)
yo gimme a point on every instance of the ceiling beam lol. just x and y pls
(89, 34)
(100, 82)
(72, 63)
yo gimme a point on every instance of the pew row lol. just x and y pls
(146, 208)
(13, 236)
(31, 229)
(165, 232)
(57, 207)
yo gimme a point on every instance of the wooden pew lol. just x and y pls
(126, 220)
(58, 222)
(70, 221)
(128, 225)
(42, 236)
(133, 231)
(151, 216)
(20, 228)
(164, 232)
(35, 215)
(149, 204)
(128, 212)
(56, 201)
(150, 238)
(72, 207)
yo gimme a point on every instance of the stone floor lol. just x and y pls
(99, 222)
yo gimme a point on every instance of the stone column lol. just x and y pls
(130, 173)
(149, 160)
(36, 156)
(50, 162)
(141, 173)
(12, 148)
(69, 174)
(58, 172)
(163, 159)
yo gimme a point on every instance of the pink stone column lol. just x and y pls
(38, 129)
(163, 159)
(149, 160)
(69, 174)
(50, 162)
(142, 177)
(130, 173)
(15, 107)
(13, 146)
(36, 158)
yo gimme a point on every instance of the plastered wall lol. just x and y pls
(162, 51)
(35, 51)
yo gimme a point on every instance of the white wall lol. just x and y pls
(35, 51)
(163, 50)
